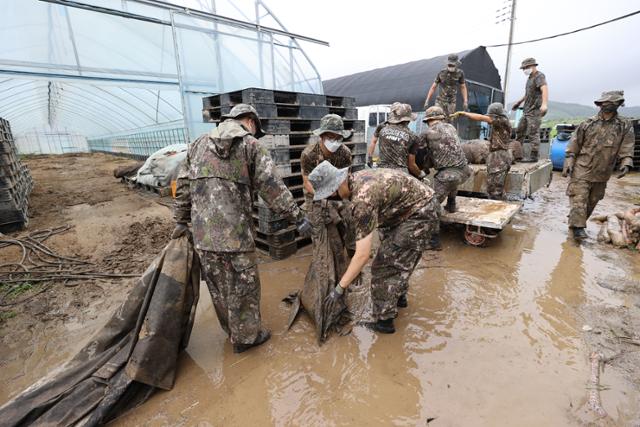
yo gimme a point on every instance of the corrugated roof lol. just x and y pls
(410, 82)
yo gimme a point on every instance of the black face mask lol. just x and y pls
(609, 108)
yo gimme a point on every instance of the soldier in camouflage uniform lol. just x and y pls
(330, 148)
(447, 81)
(597, 145)
(500, 156)
(216, 183)
(396, 139)
(535, 107)
(442, 151)
(407, 211)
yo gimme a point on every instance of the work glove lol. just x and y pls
(179, 231)
(515, 106)
(333, 302)
(457, 114)
(370, 162)
(465, 107)
(304, 226)
(422, 175)
(543, 109)
(567, 169)
(623, 171)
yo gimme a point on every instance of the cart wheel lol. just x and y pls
(474, 239)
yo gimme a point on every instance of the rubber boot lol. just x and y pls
(579, 234)
(434, 243)
(383, 326)
(402, 301)
(451, 204)
(262, 338)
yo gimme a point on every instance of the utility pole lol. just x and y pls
(501, 17)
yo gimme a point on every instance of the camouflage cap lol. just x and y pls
(433, 113)
(241, 110)
(401, 113)
(452, 59)
(528, 62)
(496, 109)
(616, 96)
(325, 179)
(332, 123)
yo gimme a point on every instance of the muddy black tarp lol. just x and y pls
(328, 264)
(124, 363)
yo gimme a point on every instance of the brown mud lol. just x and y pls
(500, 335)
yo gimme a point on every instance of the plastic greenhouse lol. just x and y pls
(128, 76)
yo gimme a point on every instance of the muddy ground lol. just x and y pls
(500, 335)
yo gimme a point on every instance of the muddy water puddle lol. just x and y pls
(491, 337)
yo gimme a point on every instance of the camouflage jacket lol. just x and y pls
(215, 187)
(443, 149)
(597, 144)
(448, 83)
(394, 143)
(383, 198)
(500, 134)
(312, 156)
(533, 93)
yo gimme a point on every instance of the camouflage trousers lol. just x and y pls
(234, 285)
(583, 198)
(322, 212)
(529, 128)
(498, 166)
(446, 182)
(400, 250)
(449, 107)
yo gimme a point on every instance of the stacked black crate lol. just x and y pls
(289, 119)
(15, 183)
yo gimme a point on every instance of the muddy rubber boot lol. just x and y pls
(434, 243)
(263, 337)
(402, 301)
(451, 204)
(579, 234)
(383, 326)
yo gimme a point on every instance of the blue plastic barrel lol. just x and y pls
(558, 147)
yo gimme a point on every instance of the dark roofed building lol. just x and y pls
(410, 82)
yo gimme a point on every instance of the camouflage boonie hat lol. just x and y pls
(496, 109)
(240, 110)
(453, 60)
(433, 113)
(400, 113)
(325, 179)
(332, 123)
(528, 62)
(616, 96)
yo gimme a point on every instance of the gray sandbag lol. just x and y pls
(131, 357)
(476, 151)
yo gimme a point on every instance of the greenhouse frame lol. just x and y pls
(128, 76)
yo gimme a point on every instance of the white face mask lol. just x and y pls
(528, 71)
(332, 144)
(451, 68)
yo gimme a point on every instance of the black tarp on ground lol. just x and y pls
(123, 364)
(410, 82)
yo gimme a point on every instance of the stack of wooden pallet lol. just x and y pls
(288, 118)
(15, 183)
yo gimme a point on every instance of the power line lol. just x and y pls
(569, 32)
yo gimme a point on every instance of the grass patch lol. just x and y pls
(15, 289)
(6, 315)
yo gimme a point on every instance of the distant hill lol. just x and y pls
(559, 111)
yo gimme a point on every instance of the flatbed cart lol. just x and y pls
(483, 218)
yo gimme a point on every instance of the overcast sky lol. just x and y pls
(372, 34)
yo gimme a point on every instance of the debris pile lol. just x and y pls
(15, 183)
(621, 229)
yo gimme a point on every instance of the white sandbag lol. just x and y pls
(162, 166)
